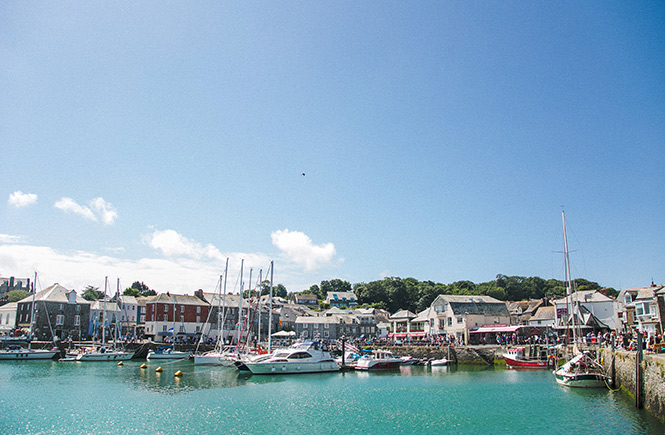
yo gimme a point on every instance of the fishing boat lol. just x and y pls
(582, 370)
(515, 359)
(305, 357)
(378, 360)
(101, 352)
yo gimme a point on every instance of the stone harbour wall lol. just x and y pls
(459, 354)
(648, 388)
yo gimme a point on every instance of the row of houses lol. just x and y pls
(61, 312)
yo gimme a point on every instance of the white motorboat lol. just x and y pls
(305, 357)
(378, 360)
(167, 353)
(350, 359)
(102, 354)
(408, 360)
(16, 352)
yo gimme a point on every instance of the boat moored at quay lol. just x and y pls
(378, 360)
(305, 357)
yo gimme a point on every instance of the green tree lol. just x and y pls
(92, 293)
(143, 289)
(17, 295)
(131, 292)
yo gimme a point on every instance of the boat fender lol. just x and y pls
(158, 370)
(177, 374)
(143, 366)
(121, 363)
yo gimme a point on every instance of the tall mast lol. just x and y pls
(115, 312)
(106, 280)
(220, 338)
(173, 334)
(569, 280)
(249, 307)
(258, 336)
(242, 263)
(272, 264)
(32, 310)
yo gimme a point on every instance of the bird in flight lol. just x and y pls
(303, 174)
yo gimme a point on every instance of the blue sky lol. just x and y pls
(149, 141)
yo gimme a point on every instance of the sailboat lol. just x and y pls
(218, 356)
(582, 370)
(169, 352)
(101, 353)
(17, 353)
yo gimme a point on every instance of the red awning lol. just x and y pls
(417, 334)
(489, 329)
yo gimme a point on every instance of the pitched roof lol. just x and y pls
(165, 298)
(54, 293)
(585, 296)
(403, 314)
(544, 313)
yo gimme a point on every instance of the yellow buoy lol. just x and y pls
(178, 373)
(121, 363)
(143, 366)
(158, 369)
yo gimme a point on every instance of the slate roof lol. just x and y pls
(544, 313)
(54, 293)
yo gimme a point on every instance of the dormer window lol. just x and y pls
(629, 299)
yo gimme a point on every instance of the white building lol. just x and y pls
(601, 307)
(459, 315)
(8, 317)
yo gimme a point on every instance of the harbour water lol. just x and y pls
(103, 398)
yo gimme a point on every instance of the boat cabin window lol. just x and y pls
(300, 355)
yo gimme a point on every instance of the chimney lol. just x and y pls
(199, 294)
(11, 283)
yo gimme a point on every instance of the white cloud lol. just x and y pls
(173, 244)
(19, 199)
(77, 269)
(298, 247)
(8, 238)
(99, 208)
(105, 210)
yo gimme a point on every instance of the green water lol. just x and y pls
(103, 398)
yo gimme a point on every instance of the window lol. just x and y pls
(450, 321)
(182, 308)
(326, 334)
(182, 328)
(77, 320)
(327, 326)
(198, 329)
(62, 307)
(431, 323)
(166, 318)
(305, 325)
(59, 319)
(166, 308)
(182, 319)
(163, 328)
(78, 308)
(459, 320)
(198, 320)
